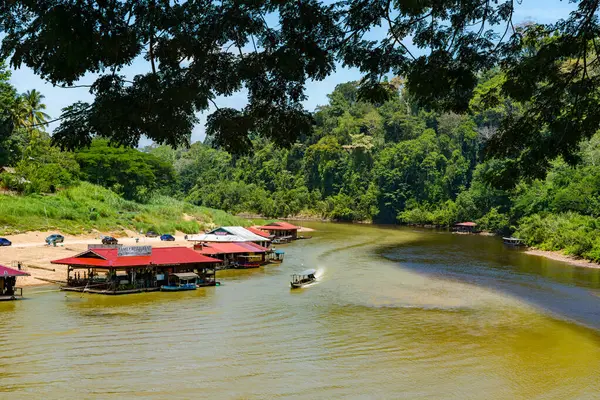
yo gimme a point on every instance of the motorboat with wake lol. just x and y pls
(303, 278)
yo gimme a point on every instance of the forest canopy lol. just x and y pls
(198, 50)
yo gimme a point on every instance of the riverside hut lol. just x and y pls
(465, 227)
(135, 269)
(282, 231)
(8, 281)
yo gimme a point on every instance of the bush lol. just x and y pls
(574, 233)
(494, 221)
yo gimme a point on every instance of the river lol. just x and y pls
(397, 313)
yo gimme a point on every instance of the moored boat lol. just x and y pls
(180, 282)
(303, 278)
(277, 256)
(512, 241)
(178, 288)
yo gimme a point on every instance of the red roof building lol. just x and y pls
(281, 230)
(240, 254)
(467, 227)
(472, 224)
(8, 280)
(256, 230)
(134, 269)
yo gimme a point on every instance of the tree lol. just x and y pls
(129, 172)
(8, 96)
(198, 50)
(33, 108)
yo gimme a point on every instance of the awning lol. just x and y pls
(186, 275)
(279, 252)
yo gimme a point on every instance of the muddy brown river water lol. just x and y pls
(397, 313)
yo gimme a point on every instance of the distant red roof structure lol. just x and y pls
(7, 272)
(466, 224)
(278, 225)
(257, 231)
(160, 256)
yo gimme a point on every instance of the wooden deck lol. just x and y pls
(108, 292)
(9, 298)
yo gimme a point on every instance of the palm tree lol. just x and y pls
(34, 108)
(19, 112)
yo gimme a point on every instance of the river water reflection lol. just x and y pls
(397, 313)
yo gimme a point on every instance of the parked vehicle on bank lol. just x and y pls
(167, 238)
(55, 238)
(5, 242)
(109, 240)
(151, 234)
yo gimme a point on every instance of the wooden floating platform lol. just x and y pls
(10, 297)
(109, 292)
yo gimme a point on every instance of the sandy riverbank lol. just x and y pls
(558, 256)
(30, 250)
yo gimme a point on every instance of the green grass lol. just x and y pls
(86, 206)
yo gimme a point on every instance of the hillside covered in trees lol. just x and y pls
(388, 162)
(396, 163)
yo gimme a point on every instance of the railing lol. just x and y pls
(19, 290)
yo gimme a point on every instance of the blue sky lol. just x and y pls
(542, 11)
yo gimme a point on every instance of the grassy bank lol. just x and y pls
(87, 206)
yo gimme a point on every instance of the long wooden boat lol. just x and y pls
(206, 284)
(303, 278)
(512, 241)
(246, 265)
(178, 288)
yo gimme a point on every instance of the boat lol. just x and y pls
(178, 288)
(304, 237)
(512, 241)
(277, 256)
(303, 278)
(180, 281)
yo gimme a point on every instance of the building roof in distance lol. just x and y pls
(280, 225)
(226, 234)
(231, 248)
(256, 230)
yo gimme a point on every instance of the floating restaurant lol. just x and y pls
(236, 255)
(136, 269)
(232, 234)
(281, 231)
(8, 281)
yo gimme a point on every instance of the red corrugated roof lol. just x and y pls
(279, 225)
(256, 231)
(160, 256)
(231, 248)
(6, 271)
(256, 248)
(466, 224)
